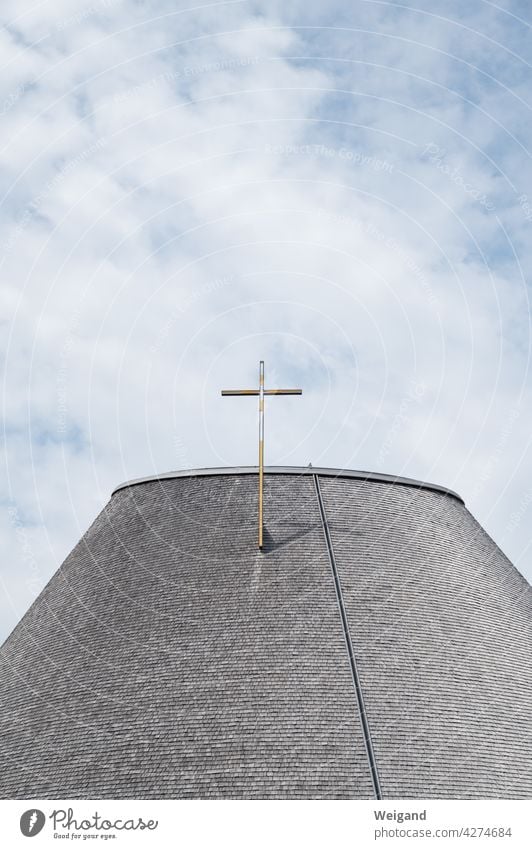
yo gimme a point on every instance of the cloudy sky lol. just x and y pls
(342, 189)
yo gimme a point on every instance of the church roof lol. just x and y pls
(379, 646)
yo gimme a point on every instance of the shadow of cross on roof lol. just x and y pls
(299, 530)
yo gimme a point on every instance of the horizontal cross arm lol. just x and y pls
(283, 391)
(240, 391)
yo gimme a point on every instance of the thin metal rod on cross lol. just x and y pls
(261, 392)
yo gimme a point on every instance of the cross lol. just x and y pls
(261, 392)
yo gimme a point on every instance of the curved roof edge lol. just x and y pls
(292, 470)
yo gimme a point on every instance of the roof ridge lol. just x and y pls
(376, 477)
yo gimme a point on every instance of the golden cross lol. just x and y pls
(261, 392)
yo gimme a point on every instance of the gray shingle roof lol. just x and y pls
(167, 658)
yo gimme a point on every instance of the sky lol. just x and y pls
(342, 189)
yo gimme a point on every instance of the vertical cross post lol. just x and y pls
(261, 392)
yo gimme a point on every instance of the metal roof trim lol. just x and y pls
(292, 470)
